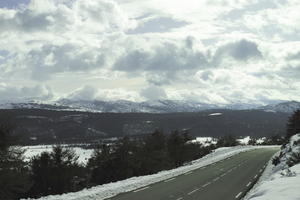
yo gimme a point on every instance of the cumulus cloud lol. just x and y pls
(51, 59)
(48, 37)
(166, 56)
(15, 94)
(91, 93)
(93, 16)
(157, 24)
(153, 93)
(242, 50)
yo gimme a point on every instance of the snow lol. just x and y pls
(244, 140)
(84, 154)
(283, 181)
(261, 140)
(112, 189)
(205, 141)
(280, 187)
(215, 114)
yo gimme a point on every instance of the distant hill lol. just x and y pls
(48, 126)
(285, 107)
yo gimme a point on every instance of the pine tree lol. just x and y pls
(153, 156)
(176, 148)
(100, 165)
(14, 181)
(293, 125)
(54, 172)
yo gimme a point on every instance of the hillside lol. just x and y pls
(47, 126)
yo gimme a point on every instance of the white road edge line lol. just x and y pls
(144, 188)
(260, 170)
(171, 179)
(249, 184)
(188, 173)
(180, 198)
(195, 190)
(255, 176)
(238, 195)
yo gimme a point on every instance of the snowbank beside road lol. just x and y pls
(112, 189)
(284, 181)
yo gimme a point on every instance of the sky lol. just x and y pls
(211, 51)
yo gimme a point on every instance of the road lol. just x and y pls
(228, 179)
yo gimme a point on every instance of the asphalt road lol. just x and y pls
(228, 179)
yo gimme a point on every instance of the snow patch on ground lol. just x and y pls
(261, 140)
(31, 151)
(244, 140)
(112, 189)
(283, 181)
(205, 141)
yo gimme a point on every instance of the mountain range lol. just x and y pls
(158, 106)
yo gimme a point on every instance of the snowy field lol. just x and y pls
(84, 154)
(112, 189)
(283, 182)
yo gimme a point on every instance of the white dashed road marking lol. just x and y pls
(171, 179)
(248, 184)
(238, 195)
(195, 190)
(144, 188)
(216, 178)
(206, 184)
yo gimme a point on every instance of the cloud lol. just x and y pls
(157, 24)
(15, 94)
(153, 93)
(91, 93)
(218, 51)
(242, 50)
(51, 59)
(294, 56)
(161, 57)
(93, 16)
